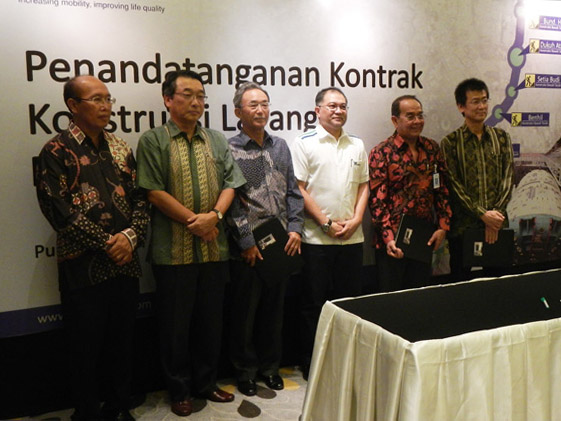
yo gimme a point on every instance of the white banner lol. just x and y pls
(374, 50)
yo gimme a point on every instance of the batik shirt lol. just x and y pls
(194, 172)
(481, 175)
(400, 185)
(87, 194)
(271, 189)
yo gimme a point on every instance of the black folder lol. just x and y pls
(270, 238)
(413, 235)
(476, 252)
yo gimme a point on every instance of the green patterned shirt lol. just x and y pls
(480, 173)
(194, 172)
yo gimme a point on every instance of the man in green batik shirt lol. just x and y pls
(480, 169)
(190, 176)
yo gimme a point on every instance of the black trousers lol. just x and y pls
(190, 299)
(255, 322)
(397, 274)
(330, 272)
(100, 318)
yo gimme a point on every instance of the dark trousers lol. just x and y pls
(397, 274)
(330, 272)
(190, 299)
(256, 322)
(100, 318)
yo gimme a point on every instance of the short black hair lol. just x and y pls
(170, 84)
(471, 84)
(321, 94)
(397, 102)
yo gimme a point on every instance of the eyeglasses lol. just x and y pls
(190, 97)
(476, 102)
(99, 100)
(334, 107)
(254, 105)
(413, 117)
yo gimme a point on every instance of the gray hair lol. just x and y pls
(243, 88)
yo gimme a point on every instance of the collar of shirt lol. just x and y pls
(174, 131)
(325, 135)
(469, 135)
(79, 136)
(244, 140)
(400, 143)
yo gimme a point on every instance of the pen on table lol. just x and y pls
(544, 301)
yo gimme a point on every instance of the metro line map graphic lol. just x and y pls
(535, 208)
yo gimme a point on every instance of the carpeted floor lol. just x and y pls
(267, 405)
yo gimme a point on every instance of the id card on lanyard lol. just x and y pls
(435, 178)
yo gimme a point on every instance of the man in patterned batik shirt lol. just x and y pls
(190, 177)
(271, 192)
(86, 190)
(407, 176)
(481, 174)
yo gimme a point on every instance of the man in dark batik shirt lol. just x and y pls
(407, 176)
(271, 192)
(481, 173)
(86, 190)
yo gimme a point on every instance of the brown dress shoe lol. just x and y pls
(219, 395)
(182, 408)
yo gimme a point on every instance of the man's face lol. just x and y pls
(91, 109)
(410, 122)
(329, 112)
(254, 110)
(476, 107)
(187, 104)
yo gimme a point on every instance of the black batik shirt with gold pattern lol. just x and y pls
(88, 194)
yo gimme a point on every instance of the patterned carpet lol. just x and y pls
(267, 405)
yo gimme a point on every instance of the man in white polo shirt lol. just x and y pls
(331, 167)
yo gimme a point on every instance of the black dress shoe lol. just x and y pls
(247, 387)
(182, 408)
(218, 395)
(274, 381)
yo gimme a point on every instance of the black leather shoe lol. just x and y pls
(247, 387)
(218, 395)
(274, 382)
(182, 408)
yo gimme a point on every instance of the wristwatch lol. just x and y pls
(327, 226)
(218, 213)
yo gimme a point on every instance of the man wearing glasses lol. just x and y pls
(480, 165)
(271, 192)
(332, 172)
(407, 176)
(85, 180)
(190, 176)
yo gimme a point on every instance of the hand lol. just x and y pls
(493, 219)
(349, 228)
(210, 236)
(202, 223)
(119, 249)
(293, 244)
(393, 251)
(250, 255)
(491, 235)
(437, 238)
(334, 229)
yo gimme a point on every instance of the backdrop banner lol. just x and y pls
(373, 50)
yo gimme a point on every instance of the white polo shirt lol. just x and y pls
(332, 170)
